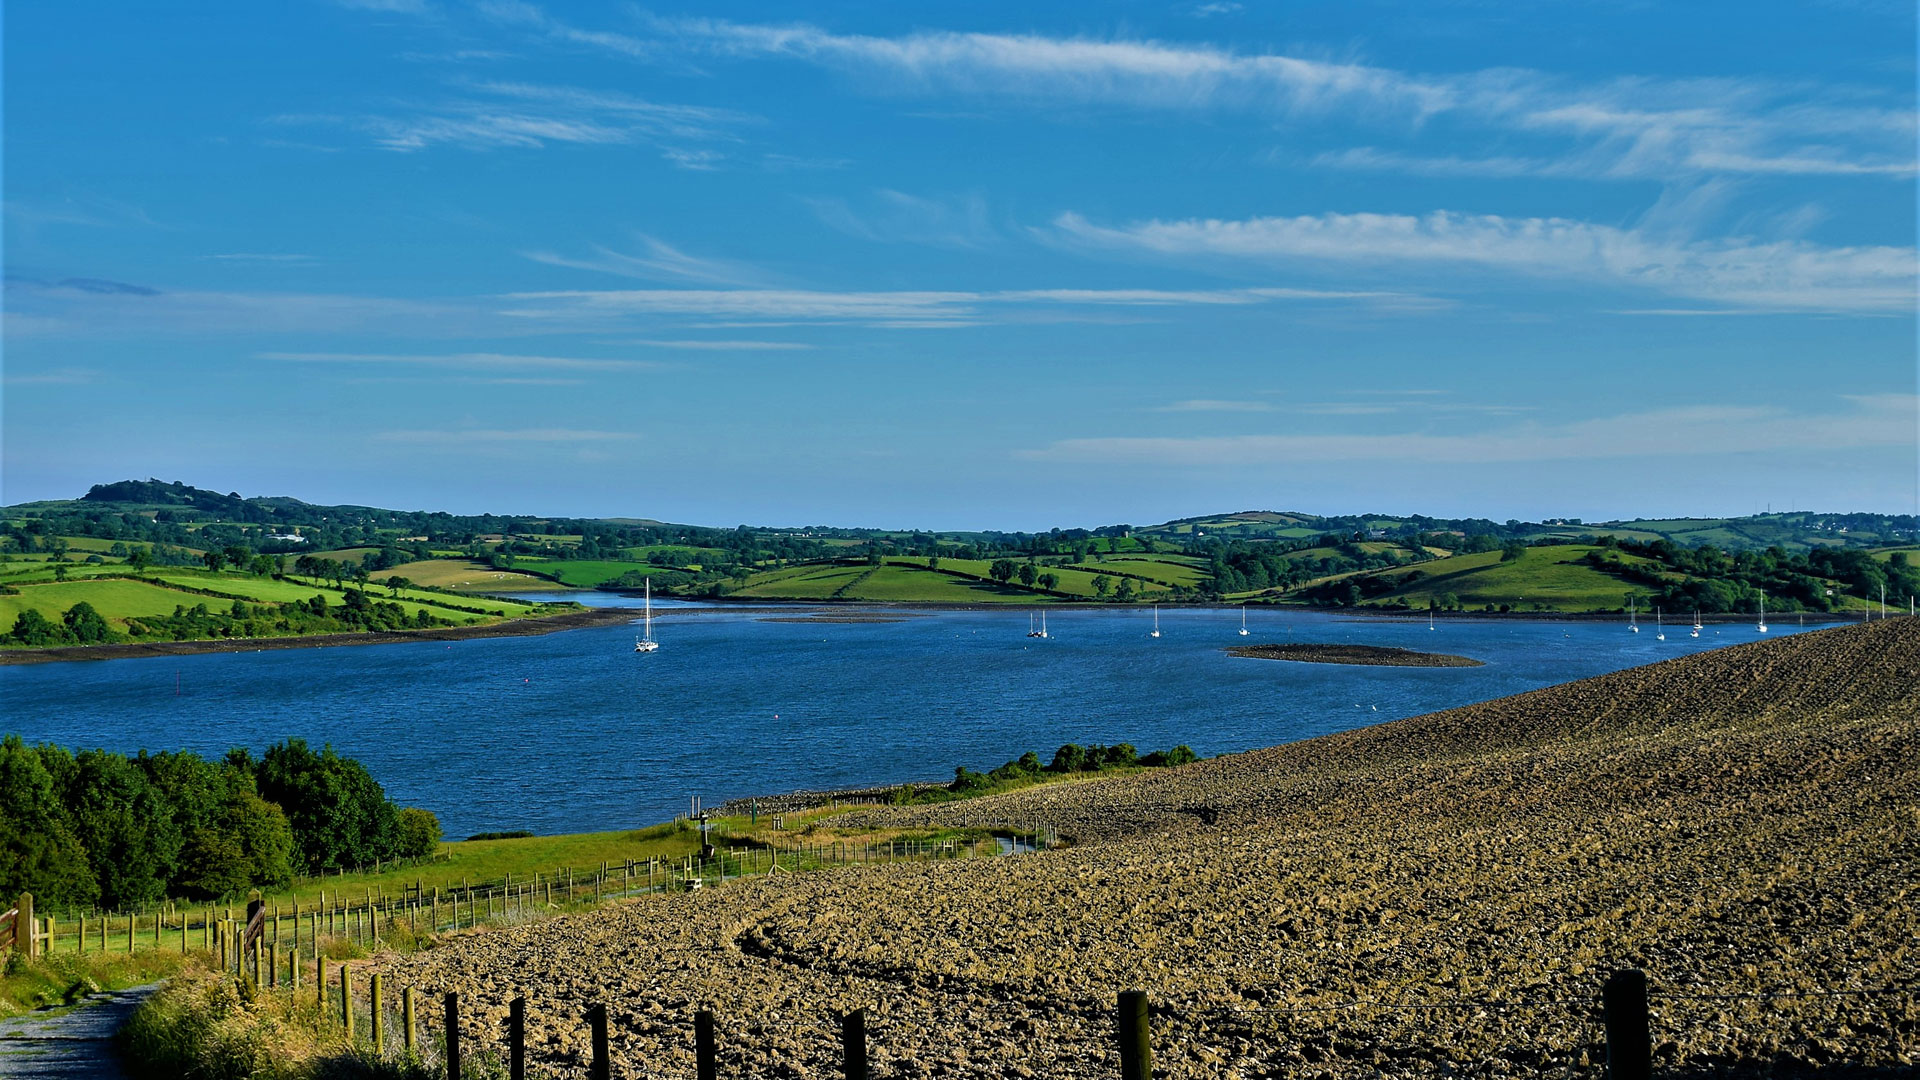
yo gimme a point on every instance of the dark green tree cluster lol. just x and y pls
(1716, 581)
(96, 828)
(1071, 758)
(81, 625)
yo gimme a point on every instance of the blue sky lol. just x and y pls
(966, 265)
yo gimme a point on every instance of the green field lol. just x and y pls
(906, 579)
(585, 573)
(1542, 579)
(817, 582)
(467, 575)
(287, 589)
(166, 588)
(116, 600)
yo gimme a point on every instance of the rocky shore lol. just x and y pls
(1441, 896)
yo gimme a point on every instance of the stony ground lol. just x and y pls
(1439, 896)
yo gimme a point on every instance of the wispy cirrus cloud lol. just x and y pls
(1631, 127)
(1628, 127)
(655, 261)
(897, 217)
(902, 309)
(1861, 421)
(1782, 275)
(703, 345)
(470, 361)
(493, 115)
(96, 307)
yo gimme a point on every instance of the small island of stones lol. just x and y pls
(1371, 655)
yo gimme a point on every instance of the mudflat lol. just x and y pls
(1370, 655)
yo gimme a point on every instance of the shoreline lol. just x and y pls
(133, 650)
(801, 611)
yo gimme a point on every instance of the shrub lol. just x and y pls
(419, 833)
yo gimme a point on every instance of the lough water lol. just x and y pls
(573, 731)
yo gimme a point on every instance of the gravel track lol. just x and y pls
(1438, 896)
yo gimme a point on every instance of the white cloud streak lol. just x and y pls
(473, 361)
(1866, 421)
(516, 115)
(903, 310)
(1621, 128)
(1783, 275)
(657, 261)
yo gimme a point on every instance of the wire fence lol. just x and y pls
(1615, 1032)
(369, 914)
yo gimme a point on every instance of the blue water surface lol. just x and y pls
(573, 731)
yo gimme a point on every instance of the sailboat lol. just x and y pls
(1631, 621)
(1659, 626)
(1243, 622)
(645, 642)
(1030, 630)
(1763, 613)
(1696, 622)
(1156, 621)
(1043, 624)
(1429, 618)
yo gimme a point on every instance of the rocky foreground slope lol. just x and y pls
(1441, 895)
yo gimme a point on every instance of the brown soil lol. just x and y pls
(1441, 896)
(1370, 655)
(510, 628)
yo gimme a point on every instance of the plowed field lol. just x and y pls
(1437, 896)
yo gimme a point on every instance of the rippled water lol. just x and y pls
(574, 731)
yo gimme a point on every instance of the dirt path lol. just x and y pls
(69, 1044)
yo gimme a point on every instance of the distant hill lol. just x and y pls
(1798, 561)
(1797, 531)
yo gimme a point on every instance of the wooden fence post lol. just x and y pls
(320, 983)
(453, 1035)
(1629, 1040)
(600, 1068)
(346, 1000)
(1136, 1037)
(853, 1039)
(703, 1045)
(406, 1019)
(379, 1024)
(517, 1039)
(23, 925)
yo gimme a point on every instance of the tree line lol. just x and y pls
(94, 828)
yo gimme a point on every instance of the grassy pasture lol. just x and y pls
(116, 600)
(585, 573)
(903, 582)
(484, 860)
(1886, 554)
(1166, 569)
(799, 582)
(1550, 576)
(91, 544)
(468, 575)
